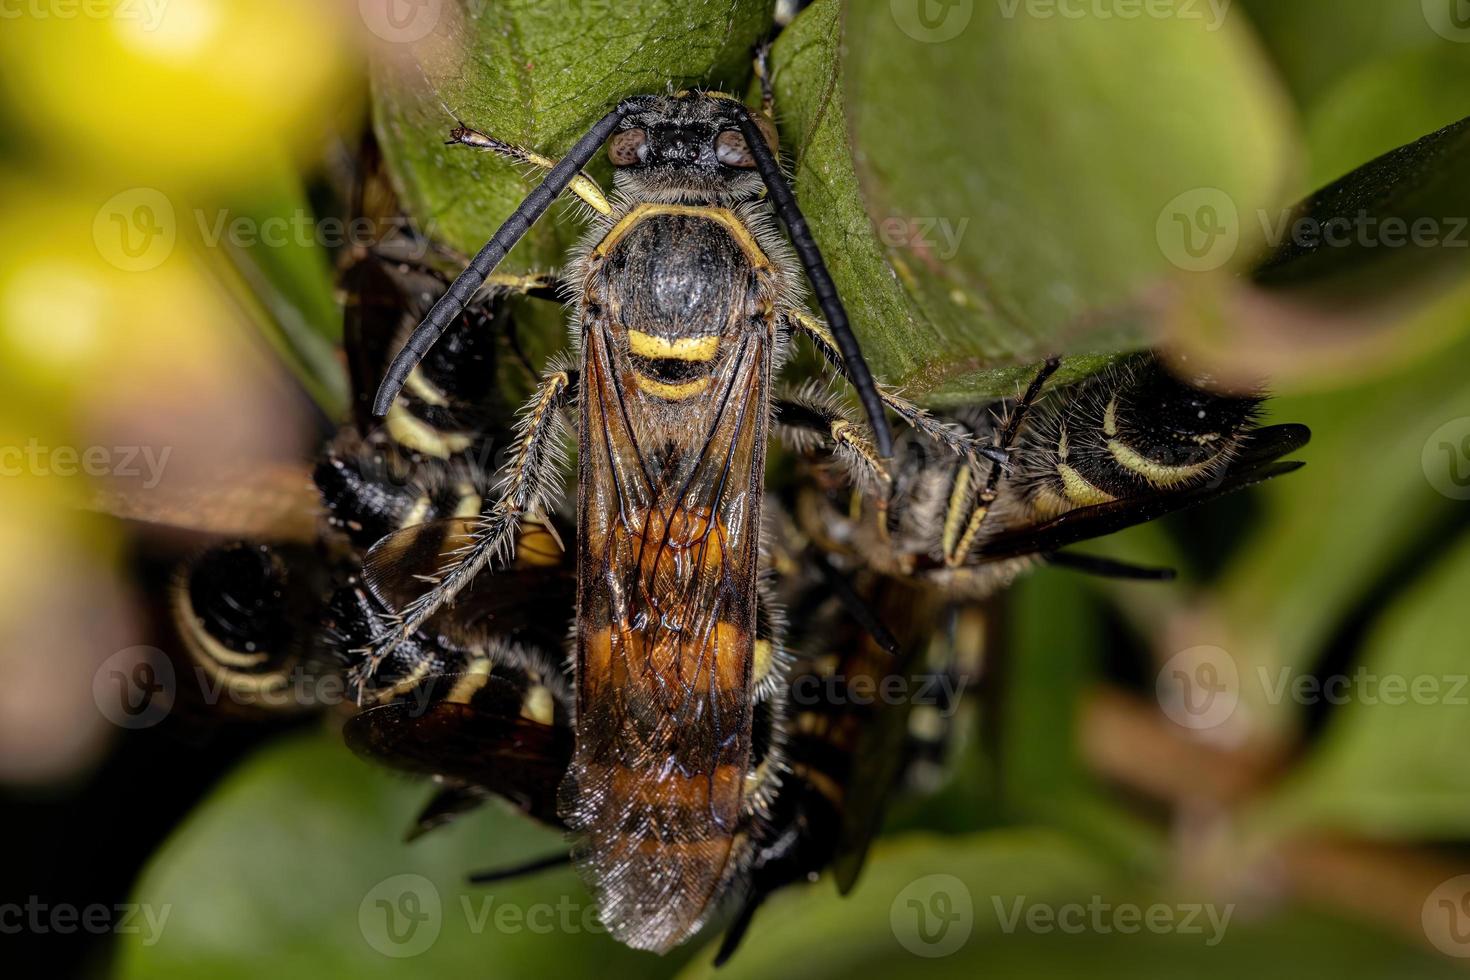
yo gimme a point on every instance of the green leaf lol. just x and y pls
(1327, 533)
(1051, 658)
(997, 195)
(1377, 212)
(539, 75)
(1385, 104)
(1367, 275)
(270, 252)
(1392, 762)
(281, 872)
(1359, 33)
(1303, 572)
(1039, 907)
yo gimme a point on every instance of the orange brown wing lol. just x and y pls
(667, 560)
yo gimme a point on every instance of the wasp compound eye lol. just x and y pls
(628, 148)
(730, 149)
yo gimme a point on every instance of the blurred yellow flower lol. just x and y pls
(180, 92)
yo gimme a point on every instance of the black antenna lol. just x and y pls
(821, 279)
(458, 296)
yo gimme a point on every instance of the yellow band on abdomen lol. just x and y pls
(680, 349)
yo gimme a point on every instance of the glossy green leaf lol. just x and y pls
(1386, 104)
(1399, 223)
(1392, 763)
(1031, 904)
(1362, 32)
(1330, 532)
(537, 74)
(296, 866)
(993, 189)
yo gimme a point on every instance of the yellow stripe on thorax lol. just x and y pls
(407, 683)
(470, 683)
(418, 513)
(720, 216)
(1075, 486)
(538, 705)
(1156, 473)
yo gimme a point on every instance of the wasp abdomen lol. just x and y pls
(1132, 430)
(238, 608)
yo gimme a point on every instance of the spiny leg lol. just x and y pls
(542, 285)
(523, 489)
(807, 414)
(1012, 428)
(942, 432)
(582, 184)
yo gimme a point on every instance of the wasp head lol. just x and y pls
(687, 146)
